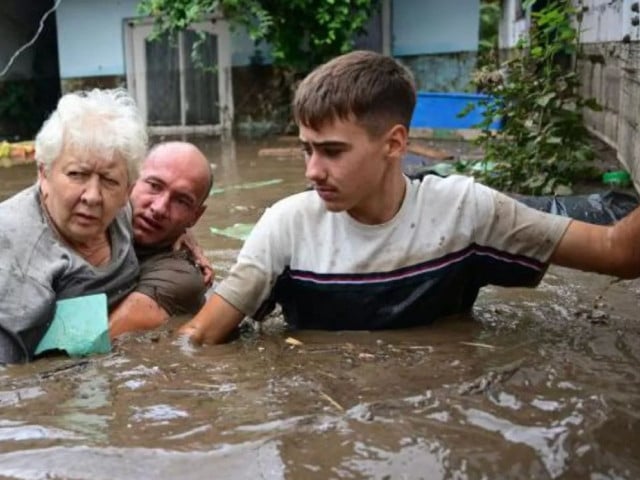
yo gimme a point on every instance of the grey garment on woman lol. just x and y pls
(37, 269)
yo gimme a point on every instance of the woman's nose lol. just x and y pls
(92, 193)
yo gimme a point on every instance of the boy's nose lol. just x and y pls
(315, 170)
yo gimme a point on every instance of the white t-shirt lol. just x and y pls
(449, 238)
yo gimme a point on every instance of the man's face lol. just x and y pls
(166, 199)
(348, 168)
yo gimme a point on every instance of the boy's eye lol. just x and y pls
(332, 152)
(306, 150)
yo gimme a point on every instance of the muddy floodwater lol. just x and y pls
(540, 383)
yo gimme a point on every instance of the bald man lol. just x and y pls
(175, 180)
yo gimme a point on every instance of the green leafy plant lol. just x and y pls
(543, 146)
(301, 33)
(17, 107)
(489, 27)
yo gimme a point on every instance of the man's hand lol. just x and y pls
(187, 242)
(136, 313)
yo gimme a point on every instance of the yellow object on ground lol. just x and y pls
(16, 153)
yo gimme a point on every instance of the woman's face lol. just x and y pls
(83, 194)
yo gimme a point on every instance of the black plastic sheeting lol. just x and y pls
(601, 208)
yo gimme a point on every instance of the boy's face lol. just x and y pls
(350, 170)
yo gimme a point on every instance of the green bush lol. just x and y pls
(544, 146)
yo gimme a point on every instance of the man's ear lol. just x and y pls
(198, 214)
(396, 144)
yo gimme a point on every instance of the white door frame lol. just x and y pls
(136, 31)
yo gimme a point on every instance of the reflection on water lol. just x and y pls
(540, 384)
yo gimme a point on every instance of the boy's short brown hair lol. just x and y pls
(373, 89)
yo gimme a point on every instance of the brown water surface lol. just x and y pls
(538, 383)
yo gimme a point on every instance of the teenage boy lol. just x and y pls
(370, 249)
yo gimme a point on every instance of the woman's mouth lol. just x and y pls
(86, 218)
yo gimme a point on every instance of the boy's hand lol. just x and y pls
(191, 332)
(213, 323)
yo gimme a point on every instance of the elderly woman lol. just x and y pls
(70, 233)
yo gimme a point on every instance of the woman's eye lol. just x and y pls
(111, 182)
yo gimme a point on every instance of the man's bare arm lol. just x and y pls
(613, 250)
(137, 312)
(213, 323)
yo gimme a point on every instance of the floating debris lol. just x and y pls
(238, 231)
(481, 345)
(245, 186)
(280, 152)
(16, 153)
(293, 341)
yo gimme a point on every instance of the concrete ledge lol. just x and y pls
(445, 134)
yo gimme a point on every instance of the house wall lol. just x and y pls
(437, 40)
(513, 23)
(29, 87)
(609, 70)
(91, 43)
(14, 36)
(610, 73)
(90, 37)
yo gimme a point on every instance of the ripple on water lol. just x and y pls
(161, 413)
(240, 461)
(19, 431)
(547, 442)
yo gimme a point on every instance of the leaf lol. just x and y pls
(562, 189)
(545, 99)
(592, 104)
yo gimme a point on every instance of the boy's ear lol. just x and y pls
(396, 144)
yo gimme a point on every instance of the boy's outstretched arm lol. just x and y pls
(213, 323)
(612, 250)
